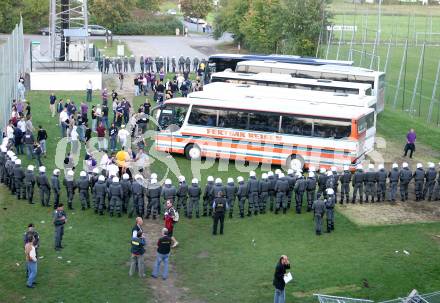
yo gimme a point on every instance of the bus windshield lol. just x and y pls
(172, 114)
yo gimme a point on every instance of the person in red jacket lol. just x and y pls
(170, 219)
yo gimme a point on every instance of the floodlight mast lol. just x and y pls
(64, 15)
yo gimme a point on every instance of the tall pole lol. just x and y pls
(406, 61)
(86, 26)
(434, 91)
(64, 25)
(52, 29)
(416, 84)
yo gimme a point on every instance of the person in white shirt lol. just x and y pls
(74, 136)
(10, 132)
(31, 261)
(122, 136)
(63, 117)
(112, 169)
(89, 91)
(22, 125)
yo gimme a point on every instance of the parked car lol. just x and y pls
(171, 12)
(98, 30)
(45, 31)
(194, 20)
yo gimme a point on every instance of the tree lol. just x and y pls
(230, 17)
(150, 6)
(35, 14)
(110, 12)
(196, 8)
(303, 22)
(260, 26)
(9, 14)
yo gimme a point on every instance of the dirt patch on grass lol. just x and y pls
(391, 213)
(327, 291)
(203, 255)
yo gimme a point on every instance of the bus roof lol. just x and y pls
(231, 91)
(353, 70)
(285, 78)
(279, 106)
(280, 58)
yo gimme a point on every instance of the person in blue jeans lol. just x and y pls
(31, 261)
(278, 280)
(163, 253)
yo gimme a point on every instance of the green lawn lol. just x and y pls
(111, 51)
(223, 269)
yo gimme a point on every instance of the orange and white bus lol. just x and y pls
(273, 131)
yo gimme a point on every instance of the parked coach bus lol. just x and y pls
(287, 81)
(222, 91)
(220, 62)
(268, 131)
(329, 72)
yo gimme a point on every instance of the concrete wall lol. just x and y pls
(55, 81)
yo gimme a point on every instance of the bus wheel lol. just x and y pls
(294, 162)
(193, 152)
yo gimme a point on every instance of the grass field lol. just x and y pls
(111, 51)
(354, 261)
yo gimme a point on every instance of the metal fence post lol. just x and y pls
(434, 91)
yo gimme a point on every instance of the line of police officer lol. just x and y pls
(148, 64)
(275, 192)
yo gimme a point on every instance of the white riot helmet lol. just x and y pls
(312, 169)
(3, 149)
(270, 173)
(380, 166)
(298, 175)
(264, 176)
(168, 182)
(230, 180)
(280, 175)
(95, 170)
(322, 170)
(101, 178)
(278, 172)
(330, 191)
(333, 168)
(252, 173)
(56, 171)
(115, 180)
(290, 171)
(240, 179)
(346, 167)
(138, 176)
(181, 179)
(311, 174)
(431, 165)
(82, 174)
(404, 165)
(125, 176)
(153, 181)
(153, 176)
(18, 162)
(195, 181)
(395, 165)
(218, 181)
(329, 174)
(30, 167)
(371, 166)
(419, 165)
(210, 179)
(42, 169)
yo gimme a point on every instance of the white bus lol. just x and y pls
(287, 81)
(266, 131)
(221, 91)
(329, 72)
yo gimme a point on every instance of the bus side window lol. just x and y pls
(203, 116)
(265, 122)
(296, 126)
(233, 119)
(331, 129)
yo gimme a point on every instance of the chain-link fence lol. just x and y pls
(11, 68)
(413, 297)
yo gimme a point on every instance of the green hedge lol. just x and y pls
(154, 25)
